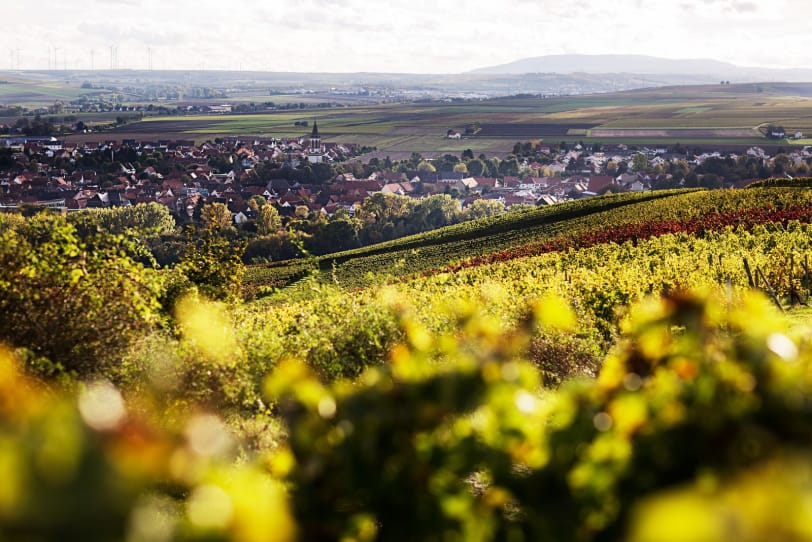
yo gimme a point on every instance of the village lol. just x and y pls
(307, 176)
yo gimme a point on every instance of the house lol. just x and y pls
(239, 218)
(488, 182)
(397, 188)
(599, 182)
(511, 182)
(451, 177)
(468, 183)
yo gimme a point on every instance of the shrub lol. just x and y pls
(78, 303)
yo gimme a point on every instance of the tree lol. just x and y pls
(482, 208)
(639, 162)
(302, 212)
(268, 220)
(341, 234)
(781, 164)
(384, 216)
(435, 212)
(509, 167)
(611, 167)
(213, 263)
(255, 203)
(143, 220)
(710, 180)
(461, 168)
(426, 167)
(476, 167)
(216, 216)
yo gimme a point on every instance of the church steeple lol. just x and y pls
(315, 153)
(315, 139)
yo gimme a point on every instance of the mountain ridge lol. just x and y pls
(641, 64)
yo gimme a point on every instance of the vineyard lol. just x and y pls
(446, 244)
(572, 225)
(632, 367)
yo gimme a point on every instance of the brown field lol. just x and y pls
(723, 133)
(531, 130)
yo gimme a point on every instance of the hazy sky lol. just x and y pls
(418, 36)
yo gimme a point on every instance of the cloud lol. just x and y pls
(744, 7)
(402, 35)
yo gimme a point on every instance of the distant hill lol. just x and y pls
(643, 64)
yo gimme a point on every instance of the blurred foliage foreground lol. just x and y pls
(698, 427)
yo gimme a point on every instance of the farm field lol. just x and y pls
(731, 115)
(38, 95)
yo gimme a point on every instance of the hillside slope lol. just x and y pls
(618, 218)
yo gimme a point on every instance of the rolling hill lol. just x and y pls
(571, 225)
(714, 70)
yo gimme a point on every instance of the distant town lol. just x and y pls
(323, 177)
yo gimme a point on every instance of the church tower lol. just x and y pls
(314, 153)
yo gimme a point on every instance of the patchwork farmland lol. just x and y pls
(699, 115)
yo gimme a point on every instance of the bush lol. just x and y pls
(698, 423)
(78, 303)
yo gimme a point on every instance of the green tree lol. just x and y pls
(639, 162)
(255, 203)
(426, 167)
(213, 263)
(143, 220)
(341, 234)
(482, 208)
(476, 167)
(509, 167)
(268, 220)
(216, 216)
(435, 212)
(781, 164)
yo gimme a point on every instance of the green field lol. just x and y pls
(32, 95)
(690, 115)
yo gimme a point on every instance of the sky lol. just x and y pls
(395, 36)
